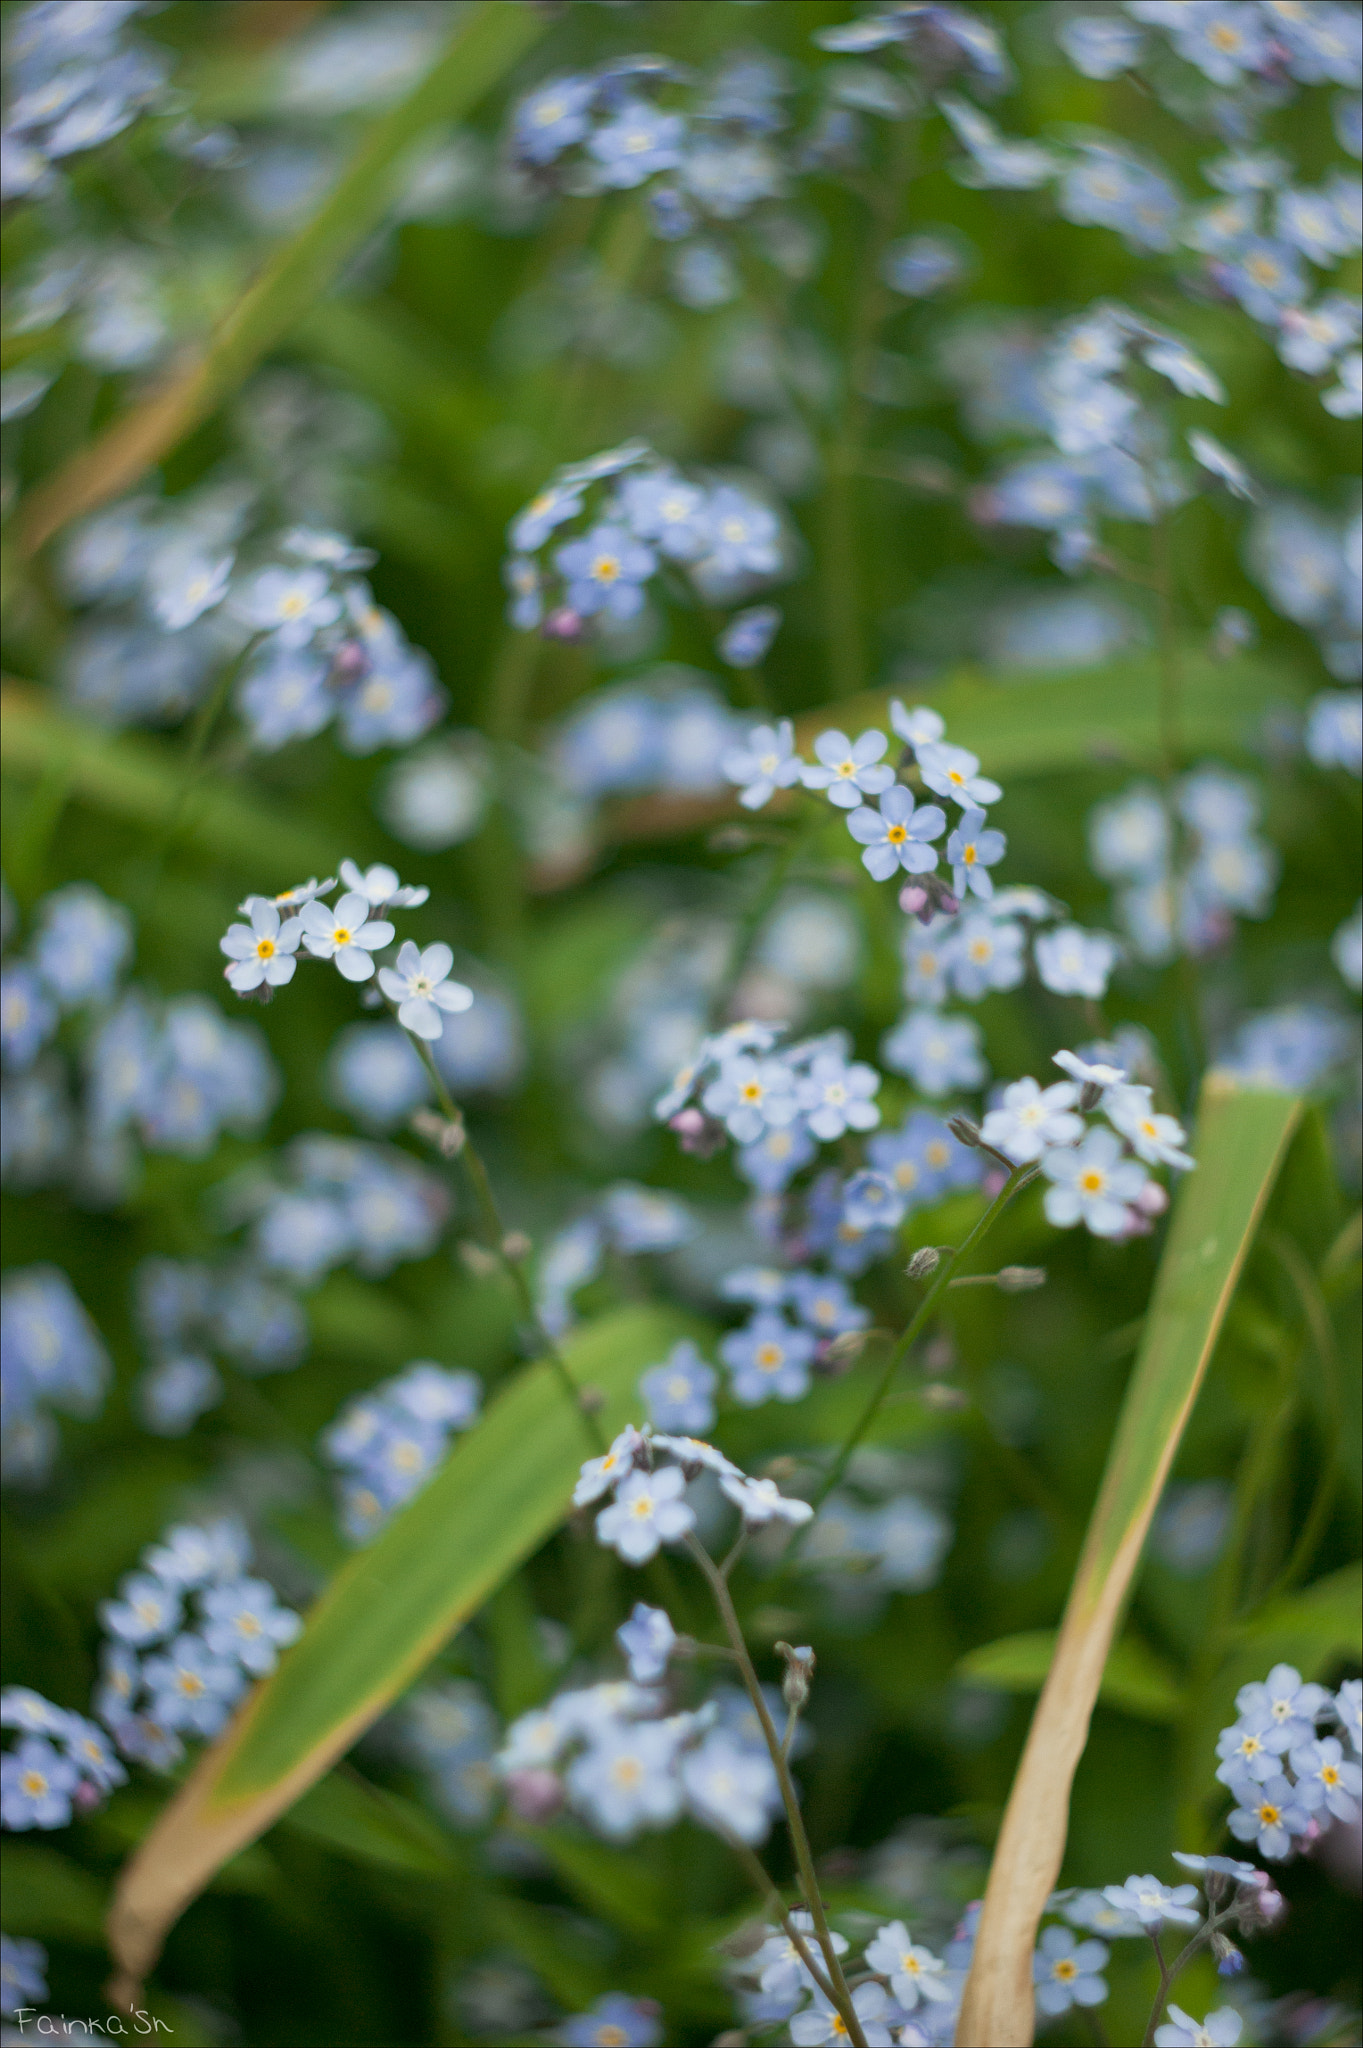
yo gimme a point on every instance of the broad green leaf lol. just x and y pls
(1240, 1141)
(49, 1896)
(1134, 1678)
(346, 1813)
(485, 41)
(504, 1488)
(142, 781)
(1089, 718)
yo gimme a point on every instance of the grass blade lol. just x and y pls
(1242, 1138)
(502, 1491)
(487, 39)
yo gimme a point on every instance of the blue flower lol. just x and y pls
(871, 1201)
(660, 506)
(147, 1610)
(635, 143)
(88, 1748)
(245, 1621)
(615, 2021)
(1264, 275)
(22, 1979)
(1324, 44)
(646, 1639)
(973, 849)
(771, 1162)
(173, 1394)
(373, 1074)
(1153, 1903)
(1327, 1778)
(826, 1304)
(896, 835)
(1109, 188)
(606, 571)
(292, 604)
(1073, 962)
(996, 161)
(747, 637)
(1220, 2029)
(1041, 491)
(81, 945)
(937, 1053)
(1269, 1813)
(28, 1017)
(767, 1358)
(1285, 1702)
(282, 694)
(50, 1348)
(680, 1391)
(1066, 1971)
(750, 1095)
(744, 536)
(835, 1097)
(849, 769)
(1100, 45)
(920, 265)
(553, 117)
(191, 1688)
(1224, 41)
(36, 1785)
(731, 1786)
(763, 763)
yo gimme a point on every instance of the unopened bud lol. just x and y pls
(591, 1400)
(447, 1134)
(963, 1130)
(1019, 1279)
(1153, 1199)
(563, 624)
(841, 1352)
(1229, 1961)
(534, 1795)
(1090, 1095)
(781, 1469)
(947, 903)
(477, 1259)
(937, 1395)
(515, 1247)
(923, 1262)
(698, 1133)
(731, 839)
(799, 1673)
(912, 898)
(1259, 1907)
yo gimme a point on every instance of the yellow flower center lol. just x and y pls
(1328, 1775)
(769, 1357)
(265, 949)
(294, 605)
(247, 1625)
(1064, 1970)
(1225, 37)
(980, 949)
(341, 936)
(627, 1770)
(642, 1508)
(190, 1684)
(34, 1783)
(611, 2036)
(905, 1174)
(606, 568)
(968, 856)
(1263, 269)
(937, 1153)
(896, 835)
(752, 1091)
(1268, 1815)
(1092, 1182)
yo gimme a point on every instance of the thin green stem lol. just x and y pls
(1157, 2010)
(799, 1840)
(774, 1903)
(512, 1262)
(1018, 1178)
(1170, 1972)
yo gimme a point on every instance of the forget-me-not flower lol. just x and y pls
(1066, 1972)
(421, 988)
(915, 1973)
(648, 1510)
(192, 1688)
(680, 1392)
(1031, 1119)
(896, 835)
(345, 933)
(638, 141)
(1284, 1700)
(1270, 1812)
(750, 1095)
(647, 1639)
(36, 1785)
(762, 763)
(263, 951)
(1153, 1903)
(1073, 962)
(1092, 1184)
(955, 772)
(973, 849)
(767, 1359)
(605, 571)
(821, 2021)
(1220, 2029)
(1326, 1777)
(835, 1096)
(872, 1201)
(848, 769)
(937, 1053)
(1159, 1140)
(245, 1621)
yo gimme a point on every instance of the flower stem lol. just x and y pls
(513, 1263)
(1018, 1178)
(799, 1840)
(772, 1898)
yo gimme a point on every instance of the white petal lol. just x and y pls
(437, 961)
(452, 995)
(354, 963)
(420, 1015)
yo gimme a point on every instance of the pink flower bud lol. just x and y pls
(534, 1795)
(1153, 1198)
(912, 898)
(563, 623)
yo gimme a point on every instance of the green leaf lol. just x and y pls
(142, 781)
(503, 1489)
(1240, 1142)
(48, 1896)
(485, 41)
(618, 1886)
(1313, 1628)
(362, 1821)
(1134, 1678)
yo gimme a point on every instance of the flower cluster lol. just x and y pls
(1309, 565)
(337, 1200)
(77, 78)
(903, 1991)
(187, 1633)
(650, 521)
(388, 1442)
(51, 1356)
(1185, 870)
(1297, 1048)
(186, 1310)
(180, 591)
(667, 732)
(648, 1505)
(1289, 1781)
(264, 954)
(621, 1762)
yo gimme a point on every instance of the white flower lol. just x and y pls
(919, 727)
(763, 763)
(647, 1510)
(1073, 962)
(751, 1094)
(955, 772)
(380, 885)
(848, 769)
(1097, 1076)
(1157, 1139)
(761, 1500)
(915, 1973)
(1093, 1185)
(262, 951)
(291, 899)
(421, 988)
(598, 1475)
(1032, 1118)
(344, 932)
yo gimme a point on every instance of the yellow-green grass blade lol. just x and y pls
(485, 40)
(503, 1490)
(1241, 1140)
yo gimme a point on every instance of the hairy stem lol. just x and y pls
(756, 1870)
(1019, 1177)
(513, 1263)
(799, 1840)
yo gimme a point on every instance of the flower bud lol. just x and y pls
(446, 1134)
(799, 1673)
(924, 1262)
(937, 1395)
(1229, 1960)
(478, 1261)
(563, 623)
(1019, 1279)
(1259, 1906)
(1153, 1199)
(913, 898)
(698, 1133)
(963, 1130)
(841, 1352)
(534, 1795)
(515, 1247)
(1090, 1095)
